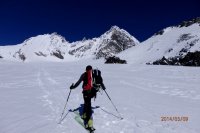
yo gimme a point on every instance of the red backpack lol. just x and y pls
(87, 85)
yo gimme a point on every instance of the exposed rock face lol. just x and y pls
(58, 54)
(115, 60)
(190, 59)
(188, 23)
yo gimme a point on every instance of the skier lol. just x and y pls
(92, 81)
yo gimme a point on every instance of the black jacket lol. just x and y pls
(83, 78)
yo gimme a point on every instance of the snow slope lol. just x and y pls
(173, 41)
(32, 97)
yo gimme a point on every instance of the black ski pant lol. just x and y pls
(87, 109)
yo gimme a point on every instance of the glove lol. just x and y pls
(72, 86)
(103, 87)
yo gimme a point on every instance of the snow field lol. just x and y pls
(32, 98)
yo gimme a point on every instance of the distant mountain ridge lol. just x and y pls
(54, 47)
(175, 45)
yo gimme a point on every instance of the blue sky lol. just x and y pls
(76, 19)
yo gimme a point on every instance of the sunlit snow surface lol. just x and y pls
(32, 97)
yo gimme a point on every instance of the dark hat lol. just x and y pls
(88, 68)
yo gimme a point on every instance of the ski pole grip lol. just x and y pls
(72, 86)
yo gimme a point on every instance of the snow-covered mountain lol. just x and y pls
(172, 42)
(53, 47)
(110, 43)
(42, 47)
(175, 45)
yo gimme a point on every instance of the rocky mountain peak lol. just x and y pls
(189, 22)
(114, 28)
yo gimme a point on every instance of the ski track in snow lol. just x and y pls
(33, 98)
(171, 89)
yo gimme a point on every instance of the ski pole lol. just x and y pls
(65, 107)
(113, 105)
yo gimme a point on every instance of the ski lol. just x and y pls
(81, 122)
